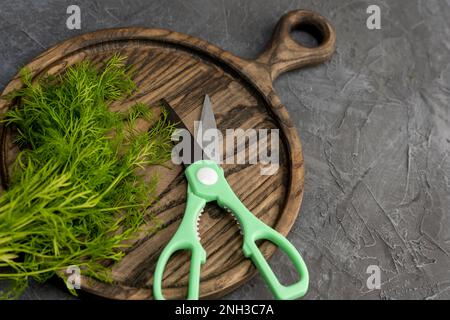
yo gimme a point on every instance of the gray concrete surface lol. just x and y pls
(374, 124)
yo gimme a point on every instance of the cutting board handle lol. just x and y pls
(283, 53)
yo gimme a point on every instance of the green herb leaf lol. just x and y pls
(75, 196)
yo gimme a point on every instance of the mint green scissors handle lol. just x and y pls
(253, 229)
(186, 238)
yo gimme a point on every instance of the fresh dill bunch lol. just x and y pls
(75, 195)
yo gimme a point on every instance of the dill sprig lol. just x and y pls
(75, 196)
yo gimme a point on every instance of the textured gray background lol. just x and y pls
(374, 124)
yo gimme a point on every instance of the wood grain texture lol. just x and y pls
(182, 69)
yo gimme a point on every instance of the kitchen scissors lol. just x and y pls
(207, 183)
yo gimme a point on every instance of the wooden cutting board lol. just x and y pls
(182, 69)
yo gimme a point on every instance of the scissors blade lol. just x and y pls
(195, 153)
(207, 135)
(207, 118)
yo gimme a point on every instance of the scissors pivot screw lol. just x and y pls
(207, 176)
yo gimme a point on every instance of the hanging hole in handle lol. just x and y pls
(307, 34)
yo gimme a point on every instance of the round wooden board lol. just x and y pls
(182, 69)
